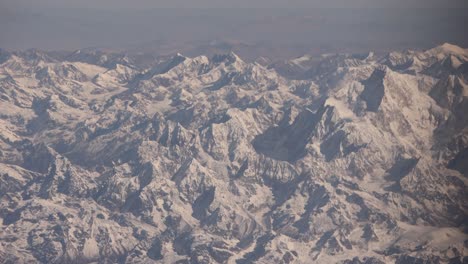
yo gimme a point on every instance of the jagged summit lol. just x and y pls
(342, 158)
(447, 48)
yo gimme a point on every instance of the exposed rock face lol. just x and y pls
(336, 159)
(374, 90)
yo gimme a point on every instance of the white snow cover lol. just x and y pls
(338, 158)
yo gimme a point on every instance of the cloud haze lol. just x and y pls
(238, 3)
(353, 25)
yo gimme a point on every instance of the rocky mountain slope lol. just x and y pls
(330, 159)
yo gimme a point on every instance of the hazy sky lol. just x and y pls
(278, 26)
(235, 3)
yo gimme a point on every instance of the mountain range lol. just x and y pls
(338, 158)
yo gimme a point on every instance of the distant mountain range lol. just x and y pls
(336, 158)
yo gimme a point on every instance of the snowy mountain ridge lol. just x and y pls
(342, 158)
